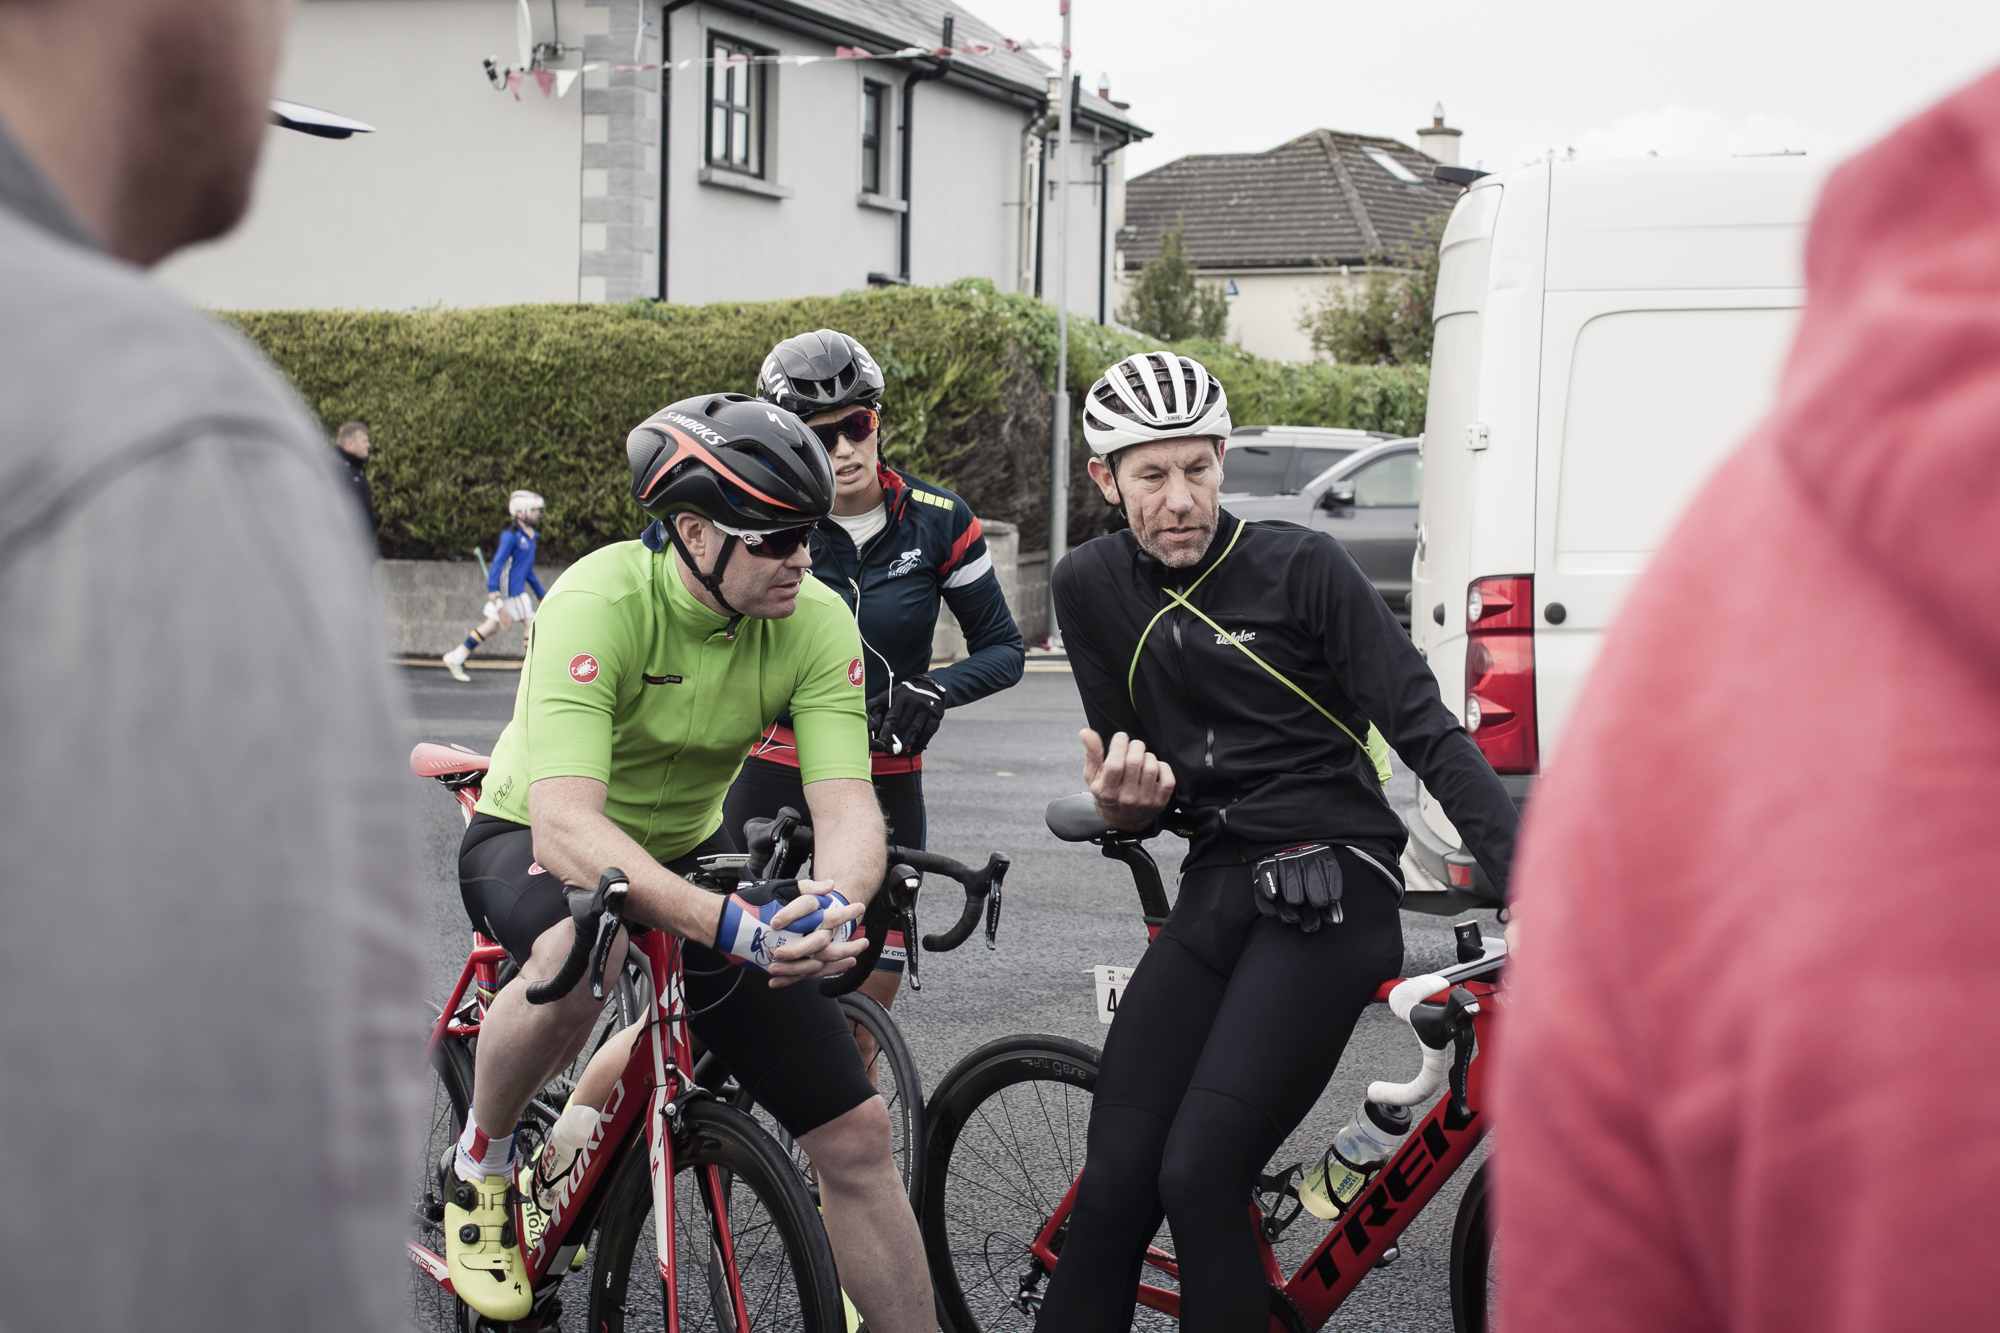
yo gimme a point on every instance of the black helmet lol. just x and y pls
(733, 460)
(743, 465)
(822, 371)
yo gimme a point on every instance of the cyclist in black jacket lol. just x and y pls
(894, 548)
(1229, 673)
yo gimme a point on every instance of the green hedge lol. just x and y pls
(465, 405)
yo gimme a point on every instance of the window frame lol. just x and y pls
(752, 109)
(875, 97)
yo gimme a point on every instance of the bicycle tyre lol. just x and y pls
(450, 1087)
(451, 1081)
(1472, 1255)
(1006, 1132)
(782, 1252)
(895, 1077)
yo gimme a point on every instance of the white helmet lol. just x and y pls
(1153, 396)
(520, 502)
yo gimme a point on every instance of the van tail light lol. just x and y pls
(1500, 672)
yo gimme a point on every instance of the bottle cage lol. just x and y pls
(1375, 747)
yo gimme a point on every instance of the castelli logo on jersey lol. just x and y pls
(855, 674)
(583, 668)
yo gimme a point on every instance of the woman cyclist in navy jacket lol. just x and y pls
(894, 547)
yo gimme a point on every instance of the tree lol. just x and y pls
(1387, 322)
(1168, 302)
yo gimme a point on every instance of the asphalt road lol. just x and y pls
(993, 767)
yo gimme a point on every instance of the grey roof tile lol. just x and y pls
(1320, 199)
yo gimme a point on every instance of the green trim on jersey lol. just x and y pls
(631, 681)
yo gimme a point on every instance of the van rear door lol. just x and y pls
(1672, 299)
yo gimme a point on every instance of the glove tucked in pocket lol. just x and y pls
(1300, 886)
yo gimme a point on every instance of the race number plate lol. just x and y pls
(1110, 987)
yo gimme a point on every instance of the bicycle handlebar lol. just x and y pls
(596, 918)
(1444, 1031)
(780, 845)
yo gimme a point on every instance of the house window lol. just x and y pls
(735, 107)
(874, 102)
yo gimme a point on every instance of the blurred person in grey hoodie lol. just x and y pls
(207, 971)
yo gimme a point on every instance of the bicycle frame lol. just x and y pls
(645, 1103)
(1435, 1149)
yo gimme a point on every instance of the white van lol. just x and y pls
(1606, 333)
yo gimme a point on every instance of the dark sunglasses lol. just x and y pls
(775, 545)
(857, 425)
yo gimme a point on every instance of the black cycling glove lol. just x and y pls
(903, 721)
(1300, 886)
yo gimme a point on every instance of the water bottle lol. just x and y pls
(1364, 1143)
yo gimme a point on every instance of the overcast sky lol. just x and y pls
(1519, 77)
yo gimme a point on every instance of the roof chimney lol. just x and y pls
(1104, 85)
(1438, 140)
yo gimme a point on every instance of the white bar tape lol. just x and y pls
(1437, 1064)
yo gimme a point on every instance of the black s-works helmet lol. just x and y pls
(821, 371)
(744, 465)
(733, 460)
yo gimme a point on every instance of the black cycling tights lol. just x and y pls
(1226, 1036)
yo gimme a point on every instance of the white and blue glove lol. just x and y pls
(747, 936)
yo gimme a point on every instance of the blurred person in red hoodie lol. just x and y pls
(1744, 1083)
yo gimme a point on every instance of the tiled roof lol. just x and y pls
(882, 26)
(1320, 199)
(921, 23)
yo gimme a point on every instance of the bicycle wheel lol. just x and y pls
(1475, 1271)
(782, 1256)
(1006, 1137)
(449, 1089)
(433, 1309)
(893, 1070)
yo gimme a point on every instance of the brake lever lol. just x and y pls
(911, 951)
(1460, 1007)
(999, 864)
(612, 891)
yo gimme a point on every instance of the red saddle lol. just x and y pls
(443, 761)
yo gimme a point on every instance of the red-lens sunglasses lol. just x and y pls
(857, 425)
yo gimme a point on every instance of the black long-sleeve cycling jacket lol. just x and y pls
(1256, 766)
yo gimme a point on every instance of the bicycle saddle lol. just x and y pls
(1074, 818)
(440, 761)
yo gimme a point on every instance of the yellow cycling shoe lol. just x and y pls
(482, 1244)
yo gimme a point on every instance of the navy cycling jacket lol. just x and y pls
(930, 549)
(516, 550)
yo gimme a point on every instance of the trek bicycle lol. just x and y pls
(1006, 1134)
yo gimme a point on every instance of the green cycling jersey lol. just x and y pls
(631, 681)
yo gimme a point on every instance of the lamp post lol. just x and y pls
(1059, 444)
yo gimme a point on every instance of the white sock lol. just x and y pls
(575, 1129)
(479, 1155)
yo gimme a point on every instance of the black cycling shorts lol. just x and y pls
(791, 1047)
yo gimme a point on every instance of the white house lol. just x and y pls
(760, 148)
(1282, 228)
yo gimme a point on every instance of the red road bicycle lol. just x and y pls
(743, 1249)
(1005, 1144)
(677, 1183)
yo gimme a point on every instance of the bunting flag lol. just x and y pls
(561, 80)
(851, 53)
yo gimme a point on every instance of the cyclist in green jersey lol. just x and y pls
(653, 666)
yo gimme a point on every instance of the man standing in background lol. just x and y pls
(208, 986)
(352, 442)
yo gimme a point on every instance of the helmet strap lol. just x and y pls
(713, 579)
